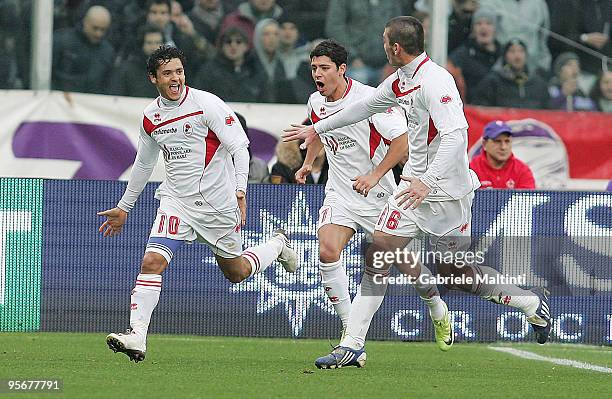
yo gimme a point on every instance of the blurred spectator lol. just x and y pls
(460, 22)
(289, 160)
(358, 25)
(565, 89)
(82, 57)
(10, 76)
(250, 13)
(233, 74)
(474, 59)
(564, 20)
(182, 35)
(129, 78)
(602, 92)
(528, 20)
(278, 88)
(206, 16)
(594, 29)
(258, 168)
(496, 166)
(509, 83)
(295, 59)
(308, 15)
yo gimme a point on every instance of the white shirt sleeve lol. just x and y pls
(220, 118)
(390, 124)
(241, 166)
(146, 158)
(445, 107)
(448, 154)
(378, 101)
(442, 101)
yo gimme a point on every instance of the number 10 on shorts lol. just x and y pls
(168, 225)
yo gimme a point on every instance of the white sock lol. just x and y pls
(367, 301)
(429, 294)
(261, 256)
(145, 296)
(336, 285)
(506, 294)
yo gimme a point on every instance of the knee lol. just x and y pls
(153, 263)
(328, 254)
(236, 275)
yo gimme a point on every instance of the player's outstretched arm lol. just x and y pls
(311, 154)
(397, 150)
(115, 219)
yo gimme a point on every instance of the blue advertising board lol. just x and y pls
(559, 240)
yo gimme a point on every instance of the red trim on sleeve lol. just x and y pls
(432, 132)
(375, 138)
(314, 117)
(398, 92)
(147, 125)
(212, 144)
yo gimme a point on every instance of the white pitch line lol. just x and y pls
(555, 360)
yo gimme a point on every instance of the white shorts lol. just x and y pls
(447, 223)
(177, 222)
(338, 211)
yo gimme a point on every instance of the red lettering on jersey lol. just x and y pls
(229, 120)
(446, 99)
(463, 228)
(212, 144)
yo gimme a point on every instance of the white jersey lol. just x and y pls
(357, 149)
(432, 105)
(198, 136)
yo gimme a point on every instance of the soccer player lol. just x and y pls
(437, 188)
(360, 182)
(203, 197)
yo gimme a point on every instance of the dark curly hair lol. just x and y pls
(332, 49)
(161, 56)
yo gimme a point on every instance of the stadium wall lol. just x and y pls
(86, 136)
(58, 274)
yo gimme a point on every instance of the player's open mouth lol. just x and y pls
(320, 85)
(175, 89)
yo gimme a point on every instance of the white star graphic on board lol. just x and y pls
(299, 291)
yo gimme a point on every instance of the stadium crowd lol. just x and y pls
(500, 52)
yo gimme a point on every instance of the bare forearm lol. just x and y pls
(313, 150)
(397, 150)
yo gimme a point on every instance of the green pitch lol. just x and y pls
(211, 367)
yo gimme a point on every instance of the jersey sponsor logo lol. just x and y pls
(158, 132)
(172, 153)
(187, 129)
(445, 99)
(229, 120)
(510, 183)
(332, 144)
